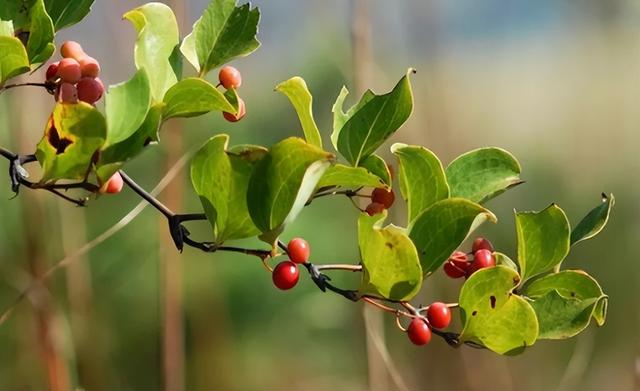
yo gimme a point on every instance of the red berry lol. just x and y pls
(453, 271)
(242, 110)
(459, 259)
(481, 259)
(90, 90)
(89, 66)
(439, 315)
(69, 70)
(52, 71)
(374, 208)
(299, 250)
(67, 93)
(113, 185)
(481, 244)
(230, 77)
(285, 275)
(419, 332)
(383, 196)
(72, 49)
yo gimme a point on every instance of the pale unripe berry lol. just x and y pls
(72, 49)
(113, 185)
(89, 90)
(67, 93)
(230, 77)
(69, 70)
(89, 66)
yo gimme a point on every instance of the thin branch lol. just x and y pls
(340, 266)
(146, 196)
(49, 86)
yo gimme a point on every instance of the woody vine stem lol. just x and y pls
(181, 236)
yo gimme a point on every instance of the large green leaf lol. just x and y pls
(114, 156)
(6, 28)
(374, 121)
(73, 135)
(565, 302)
(594, 221)
(14, 60)
(391, 268)
(349, 177)
(18, 12)
(157, 39)
(127, 105)
(40, 44)
(422, 179)
(65, 13)
(377, 166)
(543, 240)
(296, 90)
(442, 227)
(482, 174)
(282, 183)
(221, 179)
(340, 117)
(192, 97)
(493, 315)
(223, 33)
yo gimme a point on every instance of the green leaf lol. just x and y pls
(17, 12)
(73, 135)
(374, 121)
(482, 174)
(493, 316)
(65, 13)
(391, 268)
(502, 259)
(565, 302)
(348, 177)
(14, 60)
(40, 44)
(422, 178)
(6, 28)
(296, 90)
(543, 240)
(442, 227)
(157, 39)
(377, 166)
(224, 32)
(282, 183)
(127, 105)
(192, 97)
(594, 221)
(340, 117)
(221, 179)
(114, 156)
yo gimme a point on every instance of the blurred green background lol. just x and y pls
(556, 82)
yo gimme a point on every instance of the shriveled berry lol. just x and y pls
(374, 208)
(481, 244)
(299, 250)
(285, 275)
(72, 49)
(230, 77)
(113, 185)
(69, 70)
(481, 260)
(242, 110)
(439, 315)
(89, 90)
(52, 71)
(460, 259)
(383, 196)
(419, 332)
(89, 66)
(453, 271)
(67, 93)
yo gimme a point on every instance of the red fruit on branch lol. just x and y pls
(481, 260)
(439, 315)
(374, 208)
(383, 196)
(285, 275)
(453, 271)
(113, 185)
(298, 250)
(230, 77)
(419, 332)
(72, 49)
(69, 70)
(67, 93)
(90, 90)
(242, 110)
(457, 265)
(52, 71)
(481, 244)
(89, 66)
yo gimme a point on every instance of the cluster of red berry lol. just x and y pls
(459, 265)
(381, 199)
(286, 274)
(438, 317)
(230, 77)
(75, 76)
